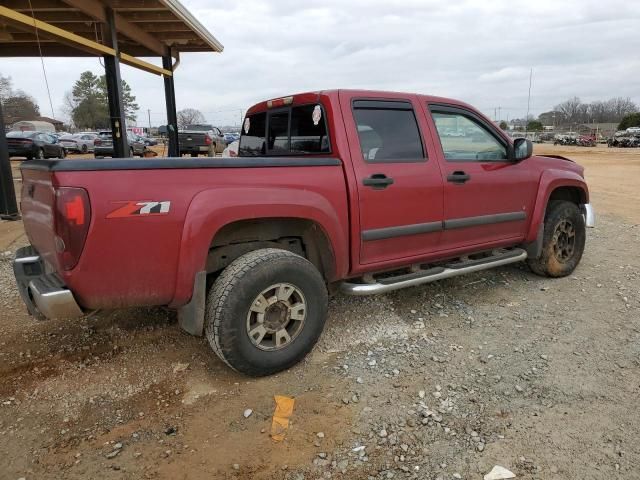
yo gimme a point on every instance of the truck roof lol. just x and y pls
(305, 97)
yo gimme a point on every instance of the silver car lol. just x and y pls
(79, 142)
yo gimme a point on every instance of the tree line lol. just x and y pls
(573, 111)
(16, 104)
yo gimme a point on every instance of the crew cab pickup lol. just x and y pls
(355, 191)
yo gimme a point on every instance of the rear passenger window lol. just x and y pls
(252, 141)
(388, 131)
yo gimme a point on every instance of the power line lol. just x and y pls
(44, 70)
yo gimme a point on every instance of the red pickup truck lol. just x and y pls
(355, 191)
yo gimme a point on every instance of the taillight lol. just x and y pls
(207, 139)
(72, 218)
(233, 153)
(97, 141)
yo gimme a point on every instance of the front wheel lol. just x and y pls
(266, 311)
(563, 240)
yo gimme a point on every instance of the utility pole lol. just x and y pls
(149, 116)
(526, 119)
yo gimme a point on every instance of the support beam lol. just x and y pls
(8, 205)
(95, 10)
(172, 116)
(114, 91)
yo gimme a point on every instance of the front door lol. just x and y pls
(399, 185)
(488, 198)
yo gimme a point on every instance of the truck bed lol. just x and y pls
(158, 253)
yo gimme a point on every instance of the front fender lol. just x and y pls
(210, 210)
(549, 181)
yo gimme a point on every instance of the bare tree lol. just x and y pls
(610, 111)
(189, 116)
(570, 109)
(6, 87)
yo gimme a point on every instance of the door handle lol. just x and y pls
(458, 177)
(378, 181)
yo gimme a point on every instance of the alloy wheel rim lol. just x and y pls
(564, 241)
(276, 317)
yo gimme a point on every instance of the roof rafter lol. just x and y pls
(95, 10)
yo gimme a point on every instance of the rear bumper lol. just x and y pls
(20, 151)
(104, 152)
(44, 294)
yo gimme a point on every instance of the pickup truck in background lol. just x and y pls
(355, 191)
(198, 140)
(103, 145)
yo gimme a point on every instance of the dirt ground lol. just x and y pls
(441, 381)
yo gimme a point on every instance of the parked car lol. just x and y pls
(248, 249)
(231, 137)
(34, 145)
(148, 141)
(201, 139)
(103, 145)
(79, 142)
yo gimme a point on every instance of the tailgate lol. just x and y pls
(191, 139)
(37, 205)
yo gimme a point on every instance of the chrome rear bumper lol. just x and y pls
(44, 294)
(589, 215)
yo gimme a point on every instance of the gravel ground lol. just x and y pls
(442, 381)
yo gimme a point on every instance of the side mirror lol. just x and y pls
(522, 149)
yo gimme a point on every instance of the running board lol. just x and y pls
(436, 273)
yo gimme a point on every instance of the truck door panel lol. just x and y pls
(487, 197)
(399, 186)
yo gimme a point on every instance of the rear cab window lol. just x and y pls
(296, 130)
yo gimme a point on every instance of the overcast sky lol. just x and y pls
(477, 51)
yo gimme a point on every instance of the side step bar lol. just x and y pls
(436, 273)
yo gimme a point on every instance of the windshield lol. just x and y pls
(20, 134)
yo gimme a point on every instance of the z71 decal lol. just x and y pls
(135, 208)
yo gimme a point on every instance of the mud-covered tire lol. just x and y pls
(233, 296)
(561, 252)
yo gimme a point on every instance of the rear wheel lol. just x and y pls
(40, 154)
(63, 153)
(131, 152)
(266, 311)
(84, 148)
(563, 240)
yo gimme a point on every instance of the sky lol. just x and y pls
(481, 52)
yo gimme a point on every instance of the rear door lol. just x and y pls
(399, 184)
(50, 149)
(487, 197)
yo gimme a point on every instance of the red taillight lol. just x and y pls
(207, 139)
(233, 153)
(97, 141)
(72, 218)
